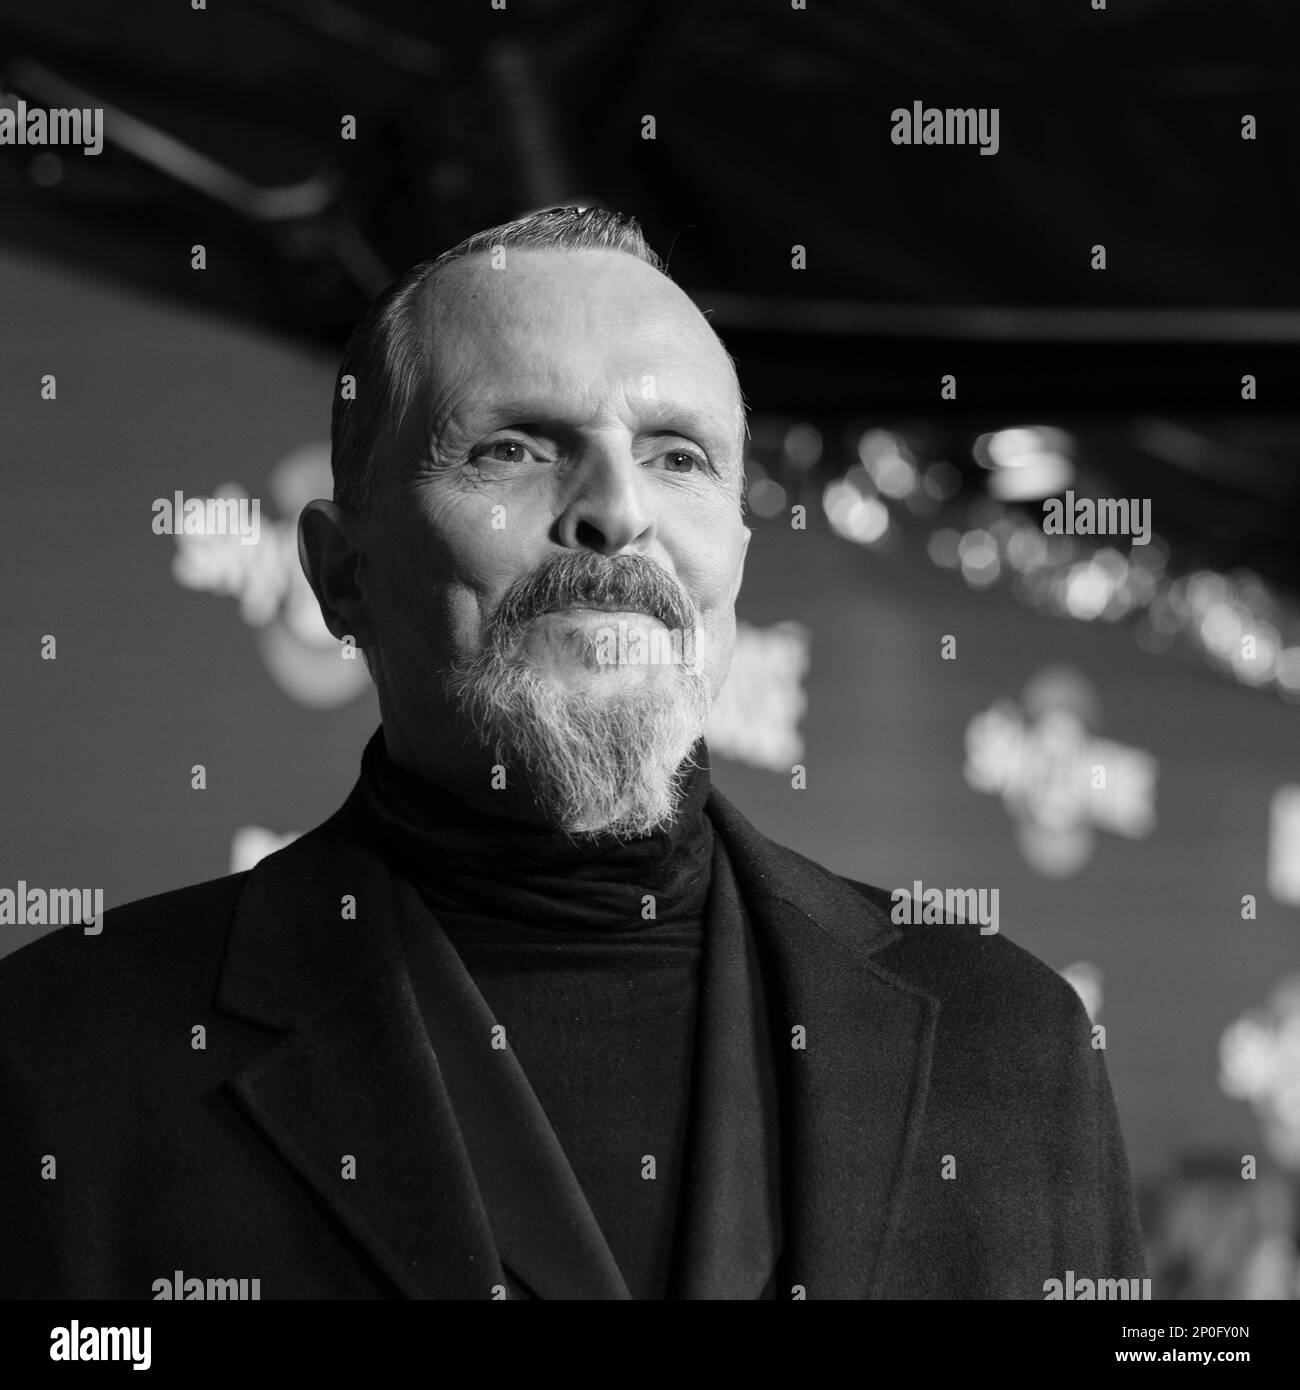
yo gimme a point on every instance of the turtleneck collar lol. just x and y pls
(466, 862)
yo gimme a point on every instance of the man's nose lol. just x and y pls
(606, 509)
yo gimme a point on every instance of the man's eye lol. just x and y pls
(503, 451)
(683, 460)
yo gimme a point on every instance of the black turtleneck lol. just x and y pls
(587, 950)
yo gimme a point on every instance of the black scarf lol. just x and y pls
(465, 861)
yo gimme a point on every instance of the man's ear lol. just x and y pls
(330, 548)
(740, 567)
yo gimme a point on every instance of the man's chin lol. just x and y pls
(600, 746)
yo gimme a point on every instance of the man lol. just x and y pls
(537, 1013)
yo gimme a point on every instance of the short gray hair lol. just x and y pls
(387, 353)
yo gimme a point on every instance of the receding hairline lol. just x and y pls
(424, 301)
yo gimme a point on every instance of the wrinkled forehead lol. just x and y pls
(578, 327)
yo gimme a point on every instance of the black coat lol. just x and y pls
(930, 1050)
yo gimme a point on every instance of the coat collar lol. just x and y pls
(314, 954)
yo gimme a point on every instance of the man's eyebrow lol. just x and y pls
(657, 417)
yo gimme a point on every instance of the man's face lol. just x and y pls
(579, 406)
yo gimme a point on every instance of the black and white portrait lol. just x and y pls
(652, 654)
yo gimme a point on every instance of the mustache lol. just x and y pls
(634, 582)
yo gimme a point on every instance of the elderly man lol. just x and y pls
(537, 1013)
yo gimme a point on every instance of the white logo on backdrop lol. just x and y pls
(252, 843)
(296, 647)
(1041, 756)
(1284, 845)
(756, 716)
(1259, 1061)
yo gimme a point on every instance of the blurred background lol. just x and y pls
(887, 519)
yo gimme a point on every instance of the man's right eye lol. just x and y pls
(503, 451)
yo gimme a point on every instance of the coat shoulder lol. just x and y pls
(143, 950)
(975, 975)
(980, 980)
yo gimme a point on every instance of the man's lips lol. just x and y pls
(599, 608)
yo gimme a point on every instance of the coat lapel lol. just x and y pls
(729, 1232)
(546, 1233)
(458, 1173)
(360, 1079)
(853, 1045)
(356, 1074)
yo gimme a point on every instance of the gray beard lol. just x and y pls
(614, 764)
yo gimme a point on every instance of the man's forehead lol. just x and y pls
(547, 321)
